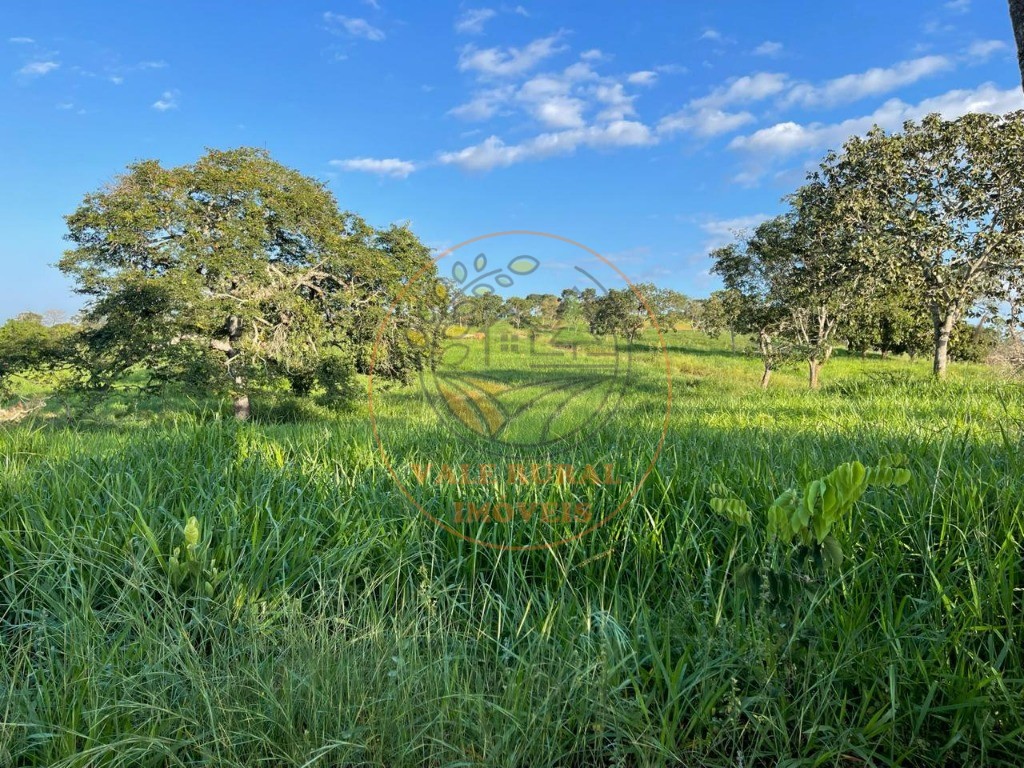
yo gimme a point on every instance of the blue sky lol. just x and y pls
(646, 131)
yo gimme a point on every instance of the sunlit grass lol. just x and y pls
(349, 629)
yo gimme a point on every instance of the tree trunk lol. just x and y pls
(1017, 17)
(732, 340)
(765, 377)
(242, 408)
(814, 367)
(943, 330)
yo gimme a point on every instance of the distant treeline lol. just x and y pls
(235, 273)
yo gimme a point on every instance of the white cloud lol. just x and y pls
(768, 48)
(707, 116)
(724, 231)
(472, 21)
(548, 98)
(593, 55)
(707, 121)
(618, 105)
(386, 166)
(116, 79)
(484, 105)
(560, 112)
(495, 153)
(711, 34)
(873, 82)
(20, 40)
(557, 100)
(38, 68)
(790, 137)
(756, 87)
(644, 77)
(508, 62)
(959, 6)
(983, 49)
(354, 27)
(168, 100)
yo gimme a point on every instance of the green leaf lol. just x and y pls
(832, 552)
(735, 510)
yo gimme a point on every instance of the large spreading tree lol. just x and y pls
(235, 271)
(940, 211)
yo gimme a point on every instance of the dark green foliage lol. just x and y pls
(973, 343)
(235, 272)
(26, 345)
(618, 313)
(808, 516)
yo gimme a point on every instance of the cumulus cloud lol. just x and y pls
(38, 68)
(616, 104)
(706, 116)
(168, 100)
(644, 77)
(768, 48)
(983, 49)
(705, 122)
(873, 82)
(560, 112)
(789, 137)
(384, 166)
(508, 62)
(355, 27)
(748, 88)
(484, 105)
(472, 21)
(711, 34)
(556, 100)
(493, 152)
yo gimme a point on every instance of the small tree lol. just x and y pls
(720, 311)
(826, 283)
(618, 312)
(753, 271)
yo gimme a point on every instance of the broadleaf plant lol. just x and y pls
(808, 515)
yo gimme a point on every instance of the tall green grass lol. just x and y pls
(349, 630)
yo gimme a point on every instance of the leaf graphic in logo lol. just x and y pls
(482, 290)
(473, 404)
(481, 263)
(459, 272)
(523, 265)
(503, 280)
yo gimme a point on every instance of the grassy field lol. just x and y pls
(322, 620)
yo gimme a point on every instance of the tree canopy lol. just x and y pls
(233, 271)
